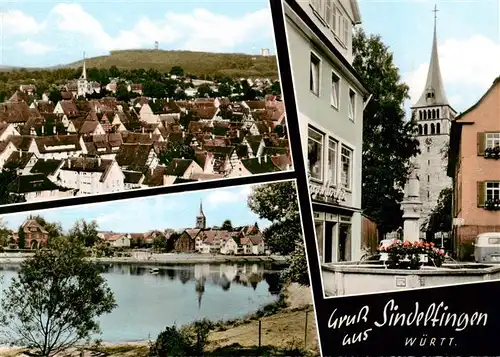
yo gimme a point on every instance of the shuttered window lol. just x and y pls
(481, 143)
(481, 193)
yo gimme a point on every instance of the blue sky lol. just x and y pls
(468, 43)
(45, 33)
(157, 212)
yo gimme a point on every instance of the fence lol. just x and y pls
(292, 329)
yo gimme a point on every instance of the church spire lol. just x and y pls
(201, 214)
(433, 93)
(84, 69)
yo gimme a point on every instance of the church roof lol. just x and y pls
(433, 93)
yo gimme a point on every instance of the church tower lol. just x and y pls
(433, 115)
(83, 83)
(201, 220)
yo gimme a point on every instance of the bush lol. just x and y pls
(171, 342)
(189, 340)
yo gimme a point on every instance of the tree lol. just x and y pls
(5, 234)
(176, 150)
(21, 238)
(7, 177)
(277, 203)
(227, 225)
(388, 141)
(160, 243)
(224, 90)
(440, 219)
(204, 90)
(84, 232)
(177, 71)
(122, 92)
(55, 300)
(55, 95)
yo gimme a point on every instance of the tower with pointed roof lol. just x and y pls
(434, 115)
(201, 220)
(82, 83)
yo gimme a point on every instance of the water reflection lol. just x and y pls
(221, 275)
(178, 294)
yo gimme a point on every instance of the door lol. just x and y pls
(329, 238)
(344, 242)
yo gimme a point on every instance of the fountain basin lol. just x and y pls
(352, 278)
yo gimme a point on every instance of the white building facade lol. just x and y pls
(331, 99)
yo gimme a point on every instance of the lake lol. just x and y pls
(179, 294)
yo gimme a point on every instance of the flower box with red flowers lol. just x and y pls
(492, 153)
(411, 255)
(492, 204)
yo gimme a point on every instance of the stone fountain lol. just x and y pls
(352, 278)
(411, 209)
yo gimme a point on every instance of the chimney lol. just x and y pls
(99, 161)
(54, 130)
(69, 163)
(265, 158)
(142, 130)
(43, 129)
(150, 135)
(20, 153)
(258, 159)
(151, 170)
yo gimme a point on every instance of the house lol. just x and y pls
(48, 167)
(57, 146)
(37, 187)
(230, 246)
(180, 168)
(137, 157)
(21, 162)
(7, 148)
(255, 166)
(85, 128)
(186, 243)
(91, 175)
(331, 98)
(252, 244)
(146, 114)
(116, 240)
(35, 235)
(7, 130)
(474, 167)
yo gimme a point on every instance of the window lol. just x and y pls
(345, 33)
(346, 167)
(492, 140)
(314, 74)
(316, 5)
(352, 104)
(492, 191)
(333, 19)
(328, 12)
(332, 162)
(315, 154)
(334, 100)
